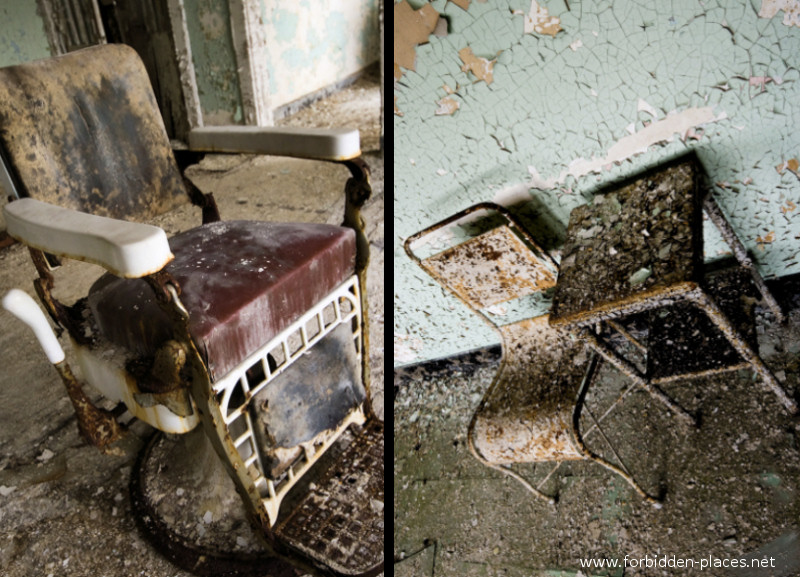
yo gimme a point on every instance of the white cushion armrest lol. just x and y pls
(127, 249)
(313, 143)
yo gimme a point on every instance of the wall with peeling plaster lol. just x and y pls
(316, 44)
(580, 96)
(22, 35)
(214, 57)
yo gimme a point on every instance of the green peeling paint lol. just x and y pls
(22, 36)
(556, 103)
(214, 60)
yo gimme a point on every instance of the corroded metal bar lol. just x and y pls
(738, 342)
(98, 427)
(629, 370)
(740, 252)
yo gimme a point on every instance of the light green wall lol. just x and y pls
(214, 58)
(557, 121)
(22, 34)
(316, 43)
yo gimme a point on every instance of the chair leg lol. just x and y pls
(593, 456)
(740, 252)
(748, 354)
(629, 370)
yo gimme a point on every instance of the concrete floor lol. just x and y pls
(64, 507)
(731, 486)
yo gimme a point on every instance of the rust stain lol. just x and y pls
(482, 68)
(790, 207)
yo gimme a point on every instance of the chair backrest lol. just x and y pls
(83, 131)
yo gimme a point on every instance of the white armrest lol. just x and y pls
(314, 143)
(127, 249)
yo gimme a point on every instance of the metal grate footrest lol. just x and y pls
(338, 523)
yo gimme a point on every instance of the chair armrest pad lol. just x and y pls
(126, 249)
(312, 143)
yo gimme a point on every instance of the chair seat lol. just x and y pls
(230, 273)
(526, 415)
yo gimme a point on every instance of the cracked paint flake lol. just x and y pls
(481, 68)
(767, 239)
(447, 106)
(791, 10)
(792, 165)
(463, 4)
(411, 28)
(538, 20)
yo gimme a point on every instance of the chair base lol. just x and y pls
(332, 521)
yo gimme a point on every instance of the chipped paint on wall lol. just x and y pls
(315, 45)
(681, 124)
(539, 20)
(790, 8)
(481, 68)
(647, 82)
(411, 28)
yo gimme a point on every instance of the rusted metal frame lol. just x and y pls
(205, 201)
(715, 314)
(358, 189)
(579, 442)
(167, 292)
(97, 426)
(716, 216)
(701, 374)
(633, 373)
(617, 326)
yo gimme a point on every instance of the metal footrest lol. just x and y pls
(338, 523)
(683, 342)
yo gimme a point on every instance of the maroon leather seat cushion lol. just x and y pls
(243, 283)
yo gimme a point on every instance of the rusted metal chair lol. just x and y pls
(257, 331)
(636, 252)
(532, 409)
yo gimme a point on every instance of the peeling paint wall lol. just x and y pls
(316, 44)
(581, 94)
(22, 35)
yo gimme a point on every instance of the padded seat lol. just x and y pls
(229, 273)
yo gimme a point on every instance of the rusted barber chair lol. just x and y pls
(256, 331)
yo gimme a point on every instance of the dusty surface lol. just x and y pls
(65, 508)
(730, 487)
